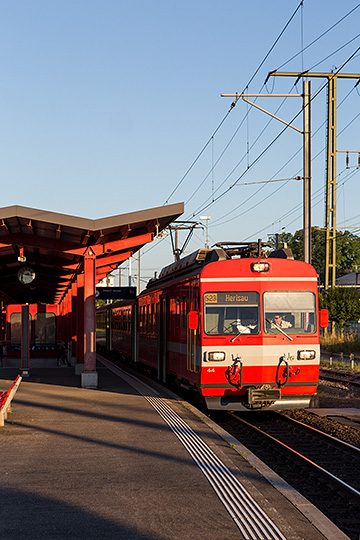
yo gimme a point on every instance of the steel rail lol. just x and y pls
(301, 456)
(323, 434)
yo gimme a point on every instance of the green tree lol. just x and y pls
(347, 250)
(343, 305)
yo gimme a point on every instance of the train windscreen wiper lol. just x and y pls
(280, 329)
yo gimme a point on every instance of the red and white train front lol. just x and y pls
(257, 340)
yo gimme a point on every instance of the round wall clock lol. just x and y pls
(26, 275)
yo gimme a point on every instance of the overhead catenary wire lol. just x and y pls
(247, 151)
(216, 223)
(211, 140)
(298, 206)
(194, 213)
(317, 195)
(198, 210)
(318, 38)
(231, 107)
(206, 206)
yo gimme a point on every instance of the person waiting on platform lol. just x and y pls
(278, 321)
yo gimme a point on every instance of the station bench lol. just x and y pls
(6, 398)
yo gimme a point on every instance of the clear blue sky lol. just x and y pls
(106, 104)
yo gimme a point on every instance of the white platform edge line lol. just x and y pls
(313, 514)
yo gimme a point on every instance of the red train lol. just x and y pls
(42, 330)
(241, 331)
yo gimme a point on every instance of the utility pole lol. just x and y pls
(130, 272)
(307, 173)
(330, 219)
(207, 230)
(138, 273)
(306, 153)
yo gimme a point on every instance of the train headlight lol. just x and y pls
(216, 356)
(260, 267)
(306, 355)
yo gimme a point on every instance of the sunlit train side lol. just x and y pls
(211, 323)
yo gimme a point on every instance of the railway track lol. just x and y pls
(318, 466)
(349, 379)
(323, 469)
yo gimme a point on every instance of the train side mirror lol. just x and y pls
(193, 320)
(324, 318)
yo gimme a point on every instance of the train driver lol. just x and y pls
(278, 320)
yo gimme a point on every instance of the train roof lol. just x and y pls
(225, 251)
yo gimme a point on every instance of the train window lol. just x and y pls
(152, 317)
(45, 328)
(184, 311)
(292, 311)
(146, 325)
(143, 318)
(15, 328)
(177, 312)
(157, 317)
(141, 311)
(234, 312)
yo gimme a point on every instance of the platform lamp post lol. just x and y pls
(207, 230)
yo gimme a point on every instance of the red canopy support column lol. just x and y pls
(67, 334)
(89, 377)
(79, 366)
(74, 309)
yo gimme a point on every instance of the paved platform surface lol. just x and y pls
(106, 464)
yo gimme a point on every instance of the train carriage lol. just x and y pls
(242, 332)
(43, 330)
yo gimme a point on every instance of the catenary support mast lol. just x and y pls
(330, 202)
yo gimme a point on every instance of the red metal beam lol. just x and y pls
(113, 259)
(106, 269)
(37, 241)
(117, 245)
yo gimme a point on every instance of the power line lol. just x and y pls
(203, 208)
(231, 107)
(279, 170)
(318, 38)
(316, 195)
(246, 116)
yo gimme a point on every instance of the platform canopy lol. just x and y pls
(41, 253)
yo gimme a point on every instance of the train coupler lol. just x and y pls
(234, 373)
(266, 394)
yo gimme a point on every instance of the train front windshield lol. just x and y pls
(231, 313)
(292, 311)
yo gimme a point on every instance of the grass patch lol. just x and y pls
(347, 344)
(340, 366)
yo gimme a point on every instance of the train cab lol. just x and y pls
(259, 333)
(43, 324)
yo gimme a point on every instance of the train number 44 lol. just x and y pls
(211, 370)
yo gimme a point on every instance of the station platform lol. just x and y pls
(132, 461)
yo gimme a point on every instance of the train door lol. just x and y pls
(191, 349)
(108, 324)
(163, 337)
(191, 338)
(134, 334)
